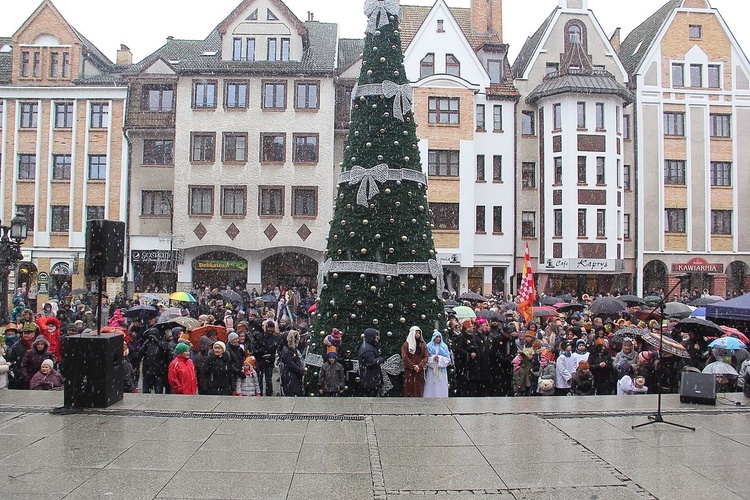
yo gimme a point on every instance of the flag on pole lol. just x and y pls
(527, 292)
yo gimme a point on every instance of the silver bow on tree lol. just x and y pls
(368, 180)
(392, 366)
(377, 12)
(403, 97)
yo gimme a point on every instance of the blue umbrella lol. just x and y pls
(729, 343)
(699, 313)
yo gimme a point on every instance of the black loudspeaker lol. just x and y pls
(92, 368)
(699, 388)
(105, 244)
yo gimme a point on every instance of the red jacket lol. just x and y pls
(55, 347)
(181, 376)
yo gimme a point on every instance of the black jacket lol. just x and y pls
(293, 372)
(369, 364)
(155, 355)
(220, 374)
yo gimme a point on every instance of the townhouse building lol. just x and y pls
(691, 80)
(233, 153)
(62, 152)
(574, 188)
(464, 105)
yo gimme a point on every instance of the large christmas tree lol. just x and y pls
(380, 269)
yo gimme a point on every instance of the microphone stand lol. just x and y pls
(657, 417)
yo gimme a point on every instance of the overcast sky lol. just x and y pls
(143, 25)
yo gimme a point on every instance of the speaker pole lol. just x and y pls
(101, 297)
(657, 417)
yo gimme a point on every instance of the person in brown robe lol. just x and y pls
(414, 355)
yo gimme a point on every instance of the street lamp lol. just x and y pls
(11, 239)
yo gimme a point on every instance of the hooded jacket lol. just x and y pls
(370, 361)
(55, 346)
(32, 360)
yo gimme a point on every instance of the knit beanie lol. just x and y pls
(48, 362)
(181, 348)
(232, 336)
(220, 344)
(336, 335)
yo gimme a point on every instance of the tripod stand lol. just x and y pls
(657, 417)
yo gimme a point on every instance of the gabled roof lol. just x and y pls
(415, 15)
(318, 57)
(638, 43)
(104, 63)
(350, 51)
(222, 27)
(530, 46)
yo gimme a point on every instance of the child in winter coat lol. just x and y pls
(248, 385)
(583, 380)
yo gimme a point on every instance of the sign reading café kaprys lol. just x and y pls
(698, 265)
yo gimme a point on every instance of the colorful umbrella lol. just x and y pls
(182, 297)
(728, 343)
(666, 343)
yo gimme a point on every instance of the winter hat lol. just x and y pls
(331, 354)
(181, 348)
(232, 336)
(336, 335)
(11, 326)
(579, 342)
(41, 339)
(480, 321)
(583, 365)
(30, 327)
(220, 344)
(639, 381)
(48, 362)
(176, 331)
(645, 356)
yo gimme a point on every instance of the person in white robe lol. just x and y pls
(438, 360)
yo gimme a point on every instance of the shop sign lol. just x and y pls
(450, 260)
(220, 265)
(42, 282)
(12, 281)
(698, 265)
(585, 265)
(143, 256)
(26, 255)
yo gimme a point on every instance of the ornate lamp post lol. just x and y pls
(11, 239)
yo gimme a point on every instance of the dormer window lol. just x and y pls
(270, 16)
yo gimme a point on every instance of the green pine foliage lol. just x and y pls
(394, 227)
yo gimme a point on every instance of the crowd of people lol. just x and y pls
(491, 353)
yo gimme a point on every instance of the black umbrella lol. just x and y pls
(450, 303)
(80, 291)
(632, 300)
(571, 308)
(701, 327)
(141, 310)
(472, 297)
(677, 310)
(550, 300)
(607, 306)
(231, 295)
(704, 301)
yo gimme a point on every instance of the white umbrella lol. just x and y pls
(720, 368)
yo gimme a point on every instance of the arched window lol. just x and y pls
(574, 34)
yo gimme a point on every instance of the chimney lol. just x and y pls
(487, 17)
(124, 56)
(615, 40)
(574, 4)
(310, 16)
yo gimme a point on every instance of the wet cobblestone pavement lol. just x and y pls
(206, 447)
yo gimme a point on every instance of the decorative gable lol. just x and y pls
(262, 30)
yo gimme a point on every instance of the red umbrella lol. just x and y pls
(197, 333)
(312, 308)
(544, 311)
(729, 331)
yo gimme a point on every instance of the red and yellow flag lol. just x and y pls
(527, 292)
